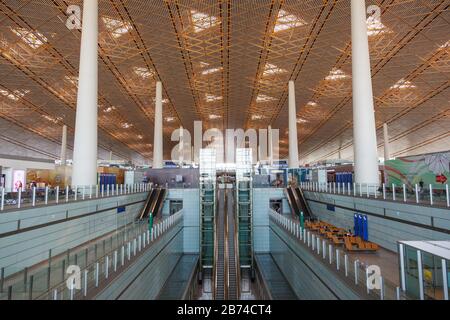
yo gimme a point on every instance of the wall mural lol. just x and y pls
(422, 170)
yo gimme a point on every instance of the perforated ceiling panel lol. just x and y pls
(227, 63)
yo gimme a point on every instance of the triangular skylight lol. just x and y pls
(264, 98)
(142, 72)
(211, 97)
(15, 95)
(214, 116)
(301, 120)
(117, 28)
(271, 69)
(287, 21)
(375, 27)
(403, 84)
(34, 39)
(257, 117)
(202, 21)
(337, 74)
(170, 119)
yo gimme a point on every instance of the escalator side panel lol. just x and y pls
(292, 202)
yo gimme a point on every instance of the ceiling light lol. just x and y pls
(403, 84)
(34, 39)
(170, 119)
(336, 74)
(212, 98)
(140, 137)
(202, 21)
(264, 98)
(214, 116)
(117, 28)
(287, 21)
(142, 72)
(301, 120)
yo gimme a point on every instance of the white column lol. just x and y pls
(158, 134)
(293, 143)
(181, 146)
(270, 144)
(364, 131)
(85, 144)
(387, 153)
(64, 146)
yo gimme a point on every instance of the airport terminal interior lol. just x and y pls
(224, 150)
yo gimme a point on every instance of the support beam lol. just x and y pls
(85, 144)
(364, 131)
(158, 134)
(387, 152)
(64, 146)
(293, 143)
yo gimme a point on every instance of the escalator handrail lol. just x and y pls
(303, 199)
(292, 201)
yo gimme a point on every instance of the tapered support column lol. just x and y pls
(85, 144)
(270, 144)
(181, 147)
(293, 143)
(64, 146)
(364, 131)
(387, 152)
(158, 134)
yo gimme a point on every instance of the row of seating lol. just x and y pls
(339, 236)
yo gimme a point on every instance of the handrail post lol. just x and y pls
(46, 194)
(417, 193)
(447, 195)
(404, 192)
(2, 205)
(431, 195)
(33, 196)
(393, 191)
(57, 195)
(67, 193)
(384, 191)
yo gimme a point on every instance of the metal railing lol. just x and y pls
(76, 273)
(426, 195)
(33, 196)
(353, 271)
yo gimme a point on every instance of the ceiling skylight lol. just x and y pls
(214, 116)
(170, 119)
(337, 74)
(375, 27)
(287, 21)
(257, 117)
(301, 120)
(202, 21)
(109, 109)
(116, 28)
(312, 104)
(15, 95)
(271, 69)
(142, 72)
(51, 119)
(211, 70)
(212, 98)
(72, 80)
(403, 84)
(126, 125)
(34, 39)
(264, 98)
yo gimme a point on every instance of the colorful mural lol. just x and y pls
(427, 169)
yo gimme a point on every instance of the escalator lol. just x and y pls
(147, 205)
(153, 203)
(219, 265)
(302, 203)
(292, 201)
(233, 267)
(226, 263)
